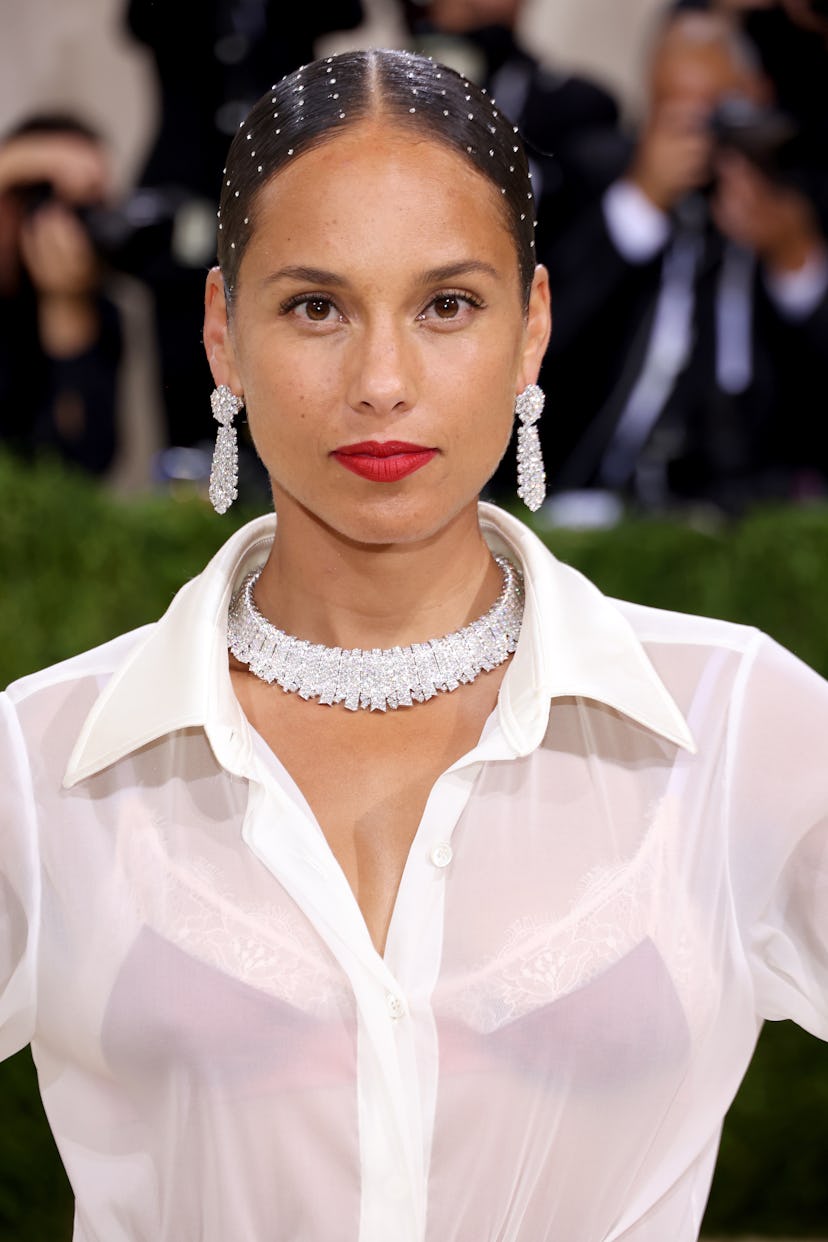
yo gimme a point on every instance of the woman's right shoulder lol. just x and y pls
(63, 681)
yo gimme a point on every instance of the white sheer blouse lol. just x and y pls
(604, 900)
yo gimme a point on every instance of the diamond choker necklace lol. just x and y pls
(383, 677)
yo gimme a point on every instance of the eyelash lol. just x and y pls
(304, 299)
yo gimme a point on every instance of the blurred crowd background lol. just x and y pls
(679, 151)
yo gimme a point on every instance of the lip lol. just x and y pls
(384, 461)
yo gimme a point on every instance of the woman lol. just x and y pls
(490, 965)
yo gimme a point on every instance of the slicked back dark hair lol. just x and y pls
(321, 100)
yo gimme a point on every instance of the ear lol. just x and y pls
(218, 340)
(537, 330)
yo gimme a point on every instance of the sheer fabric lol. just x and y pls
(604, 900)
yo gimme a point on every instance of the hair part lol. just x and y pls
(320, 100)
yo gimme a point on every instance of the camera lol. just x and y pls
(764, 135)
(148, 223)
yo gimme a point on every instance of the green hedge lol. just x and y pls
(78, 567)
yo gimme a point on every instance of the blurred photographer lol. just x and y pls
(692, 298)
(60, 336)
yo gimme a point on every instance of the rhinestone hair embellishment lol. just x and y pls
(382, 678)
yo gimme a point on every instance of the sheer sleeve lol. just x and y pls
(778, 789)
(19, 888)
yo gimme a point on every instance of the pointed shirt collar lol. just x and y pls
(574, 642)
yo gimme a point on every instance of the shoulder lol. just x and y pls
(661, 626)
(98, 663)
(50, 706)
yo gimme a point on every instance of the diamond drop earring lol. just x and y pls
(531, 474)
(224, 473)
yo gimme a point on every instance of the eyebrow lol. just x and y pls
(433, 276)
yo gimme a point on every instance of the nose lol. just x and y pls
(382, 373)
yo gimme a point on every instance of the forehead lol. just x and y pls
(374, 185)
(687, 68)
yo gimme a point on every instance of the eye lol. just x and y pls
(312, 308)
(451, 307)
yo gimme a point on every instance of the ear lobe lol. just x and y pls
(218, 343)
(538, 327)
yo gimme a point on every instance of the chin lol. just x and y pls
(382, 520)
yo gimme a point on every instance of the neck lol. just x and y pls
(319, 585)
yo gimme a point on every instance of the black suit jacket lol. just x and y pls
(727, 447)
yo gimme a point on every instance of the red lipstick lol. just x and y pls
(385, 461)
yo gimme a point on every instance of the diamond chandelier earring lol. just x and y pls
(531, 474)
(224, 473)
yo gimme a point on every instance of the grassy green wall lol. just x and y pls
(77, 567)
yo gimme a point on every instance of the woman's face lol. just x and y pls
(378, 307)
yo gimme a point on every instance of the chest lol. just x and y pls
(367, 776)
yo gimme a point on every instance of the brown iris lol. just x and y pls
(447, 306)
(317, 308)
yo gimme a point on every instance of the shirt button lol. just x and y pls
(442, 854)
(396, 1008)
